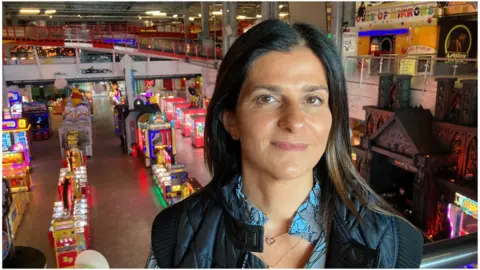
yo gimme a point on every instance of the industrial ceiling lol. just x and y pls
(107, 11)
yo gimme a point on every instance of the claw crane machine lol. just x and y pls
(16, 153)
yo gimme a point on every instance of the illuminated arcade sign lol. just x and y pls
(469, 206)
(9, 124)
(12, 124)
(155, 126)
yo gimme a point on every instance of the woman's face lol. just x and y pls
(282, 117)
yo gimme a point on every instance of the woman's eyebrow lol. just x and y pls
(313, 88)
(271, 88)
(306, 88)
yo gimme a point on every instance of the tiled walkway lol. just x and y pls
(125, 200)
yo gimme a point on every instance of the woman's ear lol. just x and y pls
(229, 122)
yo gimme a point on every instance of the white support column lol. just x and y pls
(148, 65)
(229, 25)
(28, 91)
(77, 60)
(337, 22)
(205, 34)
(127, 65)
(4, 18)
(225, 27)
(37, 61)
(113, 63)
(5, 102)
(186, 20)
(269, 10)
(233, 20)
(349, 13)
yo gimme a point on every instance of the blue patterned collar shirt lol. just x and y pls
(307, 222)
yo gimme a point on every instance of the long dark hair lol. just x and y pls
(335, 171)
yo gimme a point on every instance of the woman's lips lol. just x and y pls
(291, 146)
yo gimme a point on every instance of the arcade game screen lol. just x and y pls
(41, 121)
(6, 142)
(200, 128)
(18, 137)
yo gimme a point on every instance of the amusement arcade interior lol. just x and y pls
(104, 109)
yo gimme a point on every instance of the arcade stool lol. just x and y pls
(26, 257)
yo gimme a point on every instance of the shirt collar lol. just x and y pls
(307, 222)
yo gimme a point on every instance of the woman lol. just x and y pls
(284, 191)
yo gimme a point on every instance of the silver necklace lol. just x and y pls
(282, 257)
(271, 240)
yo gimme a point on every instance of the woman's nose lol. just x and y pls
(292, 119)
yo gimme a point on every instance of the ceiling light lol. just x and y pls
(50, 16)
(283, 14)
(241, 17)
(156, 13)
(281, 6)
(259, 16)
(199, 15)
(139, 17)
(30, 11)
(175, 16)
(191, 19)
(50, 11)
(79, 15)
(217, 13)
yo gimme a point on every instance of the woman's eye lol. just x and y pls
(314, 101)
(265, 99)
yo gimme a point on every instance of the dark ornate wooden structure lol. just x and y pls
(434, 155)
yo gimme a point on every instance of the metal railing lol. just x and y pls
(168, 44)
(451, 253)
(424, 69)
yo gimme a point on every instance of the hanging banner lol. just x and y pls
(397, 15)
(458, 38)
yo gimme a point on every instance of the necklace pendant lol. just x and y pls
(270, 241)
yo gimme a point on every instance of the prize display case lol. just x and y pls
(197, 123)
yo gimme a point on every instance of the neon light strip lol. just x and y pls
(450, 220)
(400, 31)
(15, 130)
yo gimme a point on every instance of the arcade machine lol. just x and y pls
(19, 200)
(130, 127)
(120, 113)
(177, 109)
(73, 154)
(77, 119)
(167, 106)
(172, 179)
(57, 106)
(463, 216)
(69, 231)
(153, 129)
(185, 119)
(15, 100)
(16, 145)
(38, 116)
(197, 123)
